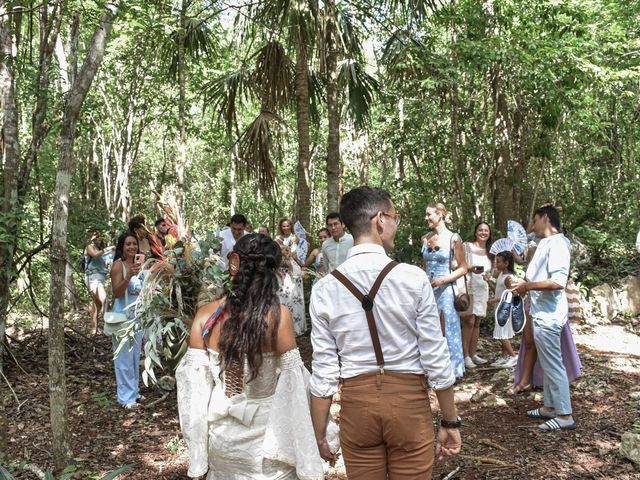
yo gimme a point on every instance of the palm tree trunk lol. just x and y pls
(303, 193)
(57, 387)
(333, 110)
(181, 161)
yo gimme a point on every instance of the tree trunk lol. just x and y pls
(73, 103)
(303, 193)
(181, 160)
(10, 146)
(458, 193)
(503, 201)
(333, 110)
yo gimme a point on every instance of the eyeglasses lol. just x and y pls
(434, 249)
(395, 216)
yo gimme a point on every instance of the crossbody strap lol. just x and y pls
(366, 300)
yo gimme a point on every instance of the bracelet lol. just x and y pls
(448, 424)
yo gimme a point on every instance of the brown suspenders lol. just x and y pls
(366, 301)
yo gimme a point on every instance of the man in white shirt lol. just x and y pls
(386, 428)
(232, 234)
(335, 249)
(546, 279)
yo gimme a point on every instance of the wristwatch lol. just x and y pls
(448, 424)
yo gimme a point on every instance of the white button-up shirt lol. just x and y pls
(406, 315)
(550, 261)
(227, 244)
(334, 253)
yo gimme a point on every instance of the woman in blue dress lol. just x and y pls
(126, 283)
(441, 248)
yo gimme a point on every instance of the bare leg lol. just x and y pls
(99, 296)
(531, 354)
(468, 323)
(475, 335)
(507, 349)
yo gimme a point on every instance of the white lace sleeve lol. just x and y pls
(289, 435)
(195, 381)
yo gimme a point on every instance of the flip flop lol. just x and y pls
(538, 414)
(518, 389)
(553, 425)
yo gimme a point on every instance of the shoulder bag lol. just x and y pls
(116, 321)
(461, 300)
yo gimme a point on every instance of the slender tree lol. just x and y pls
(71, 111)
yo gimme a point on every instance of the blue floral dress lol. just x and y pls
(437, 266)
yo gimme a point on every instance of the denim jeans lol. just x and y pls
(546, 335)
(127, 367)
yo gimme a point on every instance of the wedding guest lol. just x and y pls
(335, 249)
(95, 274)
(441, 248)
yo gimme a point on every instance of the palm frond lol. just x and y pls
(198, 43)
(402, 54)
(414, 10)
(257, 146)
(350, 42)
(226, 93)
(361, 90)
(274, 77)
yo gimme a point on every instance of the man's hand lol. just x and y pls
(325, 452)
(521, 288)
(448, 442)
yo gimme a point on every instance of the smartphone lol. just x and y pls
(478, 269)
(139, 258)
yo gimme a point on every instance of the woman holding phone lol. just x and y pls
(477, 255)
(126, 284)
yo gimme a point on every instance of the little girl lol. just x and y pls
(506, 280)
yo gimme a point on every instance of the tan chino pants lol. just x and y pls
(386, 429)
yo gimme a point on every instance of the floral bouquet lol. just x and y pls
(189, 276)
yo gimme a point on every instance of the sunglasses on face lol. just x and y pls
(433, 249)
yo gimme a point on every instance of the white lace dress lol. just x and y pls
(264, 433)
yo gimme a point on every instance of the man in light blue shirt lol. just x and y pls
(546, 279)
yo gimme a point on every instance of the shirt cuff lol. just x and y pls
(322, 388)
(442, 383)
(560, 278)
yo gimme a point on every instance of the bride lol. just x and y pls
(242, 386)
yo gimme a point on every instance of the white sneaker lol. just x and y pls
(510, 362)
(499, 362)
(478, 360)
(468, 363)
(131, 406)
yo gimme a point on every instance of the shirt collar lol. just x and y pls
(366, 248)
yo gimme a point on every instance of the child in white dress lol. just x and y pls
(506, 280)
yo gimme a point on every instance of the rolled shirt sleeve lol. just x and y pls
(559, 259)
(434, 353)
(326, 364)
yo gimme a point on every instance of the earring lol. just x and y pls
(234, 264)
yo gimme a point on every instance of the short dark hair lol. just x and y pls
(551, 212)
(159, 221)
(239, 218)
(325, 230)
(359, 205)
(333, 215)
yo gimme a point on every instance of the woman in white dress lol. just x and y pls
(242, 386)
(477, 255)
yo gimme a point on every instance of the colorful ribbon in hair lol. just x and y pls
(213, 319)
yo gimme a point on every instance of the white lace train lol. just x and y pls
(265, 433)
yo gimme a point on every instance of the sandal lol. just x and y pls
(554, 425)
(518, 389)
(539, 413)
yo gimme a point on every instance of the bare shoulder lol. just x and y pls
(199, 320)
(286, 337)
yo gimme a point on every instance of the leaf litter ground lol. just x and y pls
(499, 441)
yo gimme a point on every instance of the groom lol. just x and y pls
(380, 338)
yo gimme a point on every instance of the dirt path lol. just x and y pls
(499, 442)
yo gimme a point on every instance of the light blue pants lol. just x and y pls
(546, 335)
(127, 367)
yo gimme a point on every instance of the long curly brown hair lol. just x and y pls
(253, 302)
